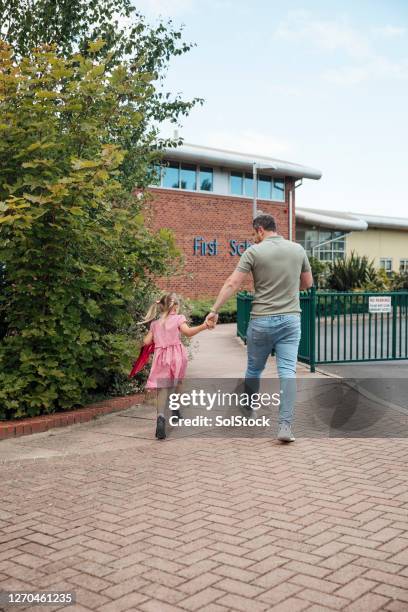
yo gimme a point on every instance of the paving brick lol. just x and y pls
(393, 592)
(239, 588)
(354, 589)
(198, 583)
(204, 597)
(292, 604)
(236, 602)
(306, 568)
(279, 593)
(324, 599)
(164, 593)
(346, 574)
(154, 605)
(396, 606)
(370, 602)
(127, 602)
(314, 583)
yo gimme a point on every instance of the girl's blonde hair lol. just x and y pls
(163, 307)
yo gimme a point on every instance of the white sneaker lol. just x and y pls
(285, 433)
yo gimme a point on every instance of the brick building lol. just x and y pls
(206, 197)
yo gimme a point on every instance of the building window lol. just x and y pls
(264, 187)
(206, 179)
(278, 191)
(174, 175)
(188, 179)
(248, 185)
(268, 188)
(386, 264)
(403, 265)
(326, 245)
(171, 175)
(237, 183)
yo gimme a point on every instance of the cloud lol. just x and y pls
(250, 142)
(348, 41)
(390, 31)
(323, 34)
(378, 67)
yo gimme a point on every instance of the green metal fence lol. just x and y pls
(342, 327)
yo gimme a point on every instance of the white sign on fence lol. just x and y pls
(379, 303)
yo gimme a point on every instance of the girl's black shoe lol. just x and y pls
(176, 414)
(161, 428)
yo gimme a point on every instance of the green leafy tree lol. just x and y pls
(78, 263)
(71, 25)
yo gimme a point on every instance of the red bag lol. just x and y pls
(145, 352)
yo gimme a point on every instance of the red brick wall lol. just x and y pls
(211, 217)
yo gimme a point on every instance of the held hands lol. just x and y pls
(211, 320)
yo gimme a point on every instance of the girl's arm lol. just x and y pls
(192, 331)
(148, 339)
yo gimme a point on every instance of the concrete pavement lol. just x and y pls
(129, 523)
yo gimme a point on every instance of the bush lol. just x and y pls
(319, 270)
(350, 273)
(399, 281)
(78, 263)
(200, 308)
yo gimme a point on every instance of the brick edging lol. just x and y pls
(24, 427)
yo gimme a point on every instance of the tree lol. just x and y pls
(78, 261)
(71, 25)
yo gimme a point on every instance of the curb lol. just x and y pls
(26, 427)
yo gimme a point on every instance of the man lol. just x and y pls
(279, 268)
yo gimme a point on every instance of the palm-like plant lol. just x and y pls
(353, 272)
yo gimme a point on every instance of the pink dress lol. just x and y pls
(170, 355)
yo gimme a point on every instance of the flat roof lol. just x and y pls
(241, 161)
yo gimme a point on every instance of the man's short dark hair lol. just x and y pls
(267, 222)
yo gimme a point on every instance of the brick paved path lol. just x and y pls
(219, 524)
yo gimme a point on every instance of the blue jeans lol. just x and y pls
(282, 333)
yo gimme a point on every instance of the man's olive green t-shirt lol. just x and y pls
(276, 265)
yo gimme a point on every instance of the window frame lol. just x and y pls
(389, 259)
(197, 177)
(403, 267)
(246, 175)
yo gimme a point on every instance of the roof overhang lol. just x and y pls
(376, 221)
(239, 161)
(337, 221)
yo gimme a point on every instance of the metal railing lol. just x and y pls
(338, 327)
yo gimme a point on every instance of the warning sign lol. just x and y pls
(379, 303)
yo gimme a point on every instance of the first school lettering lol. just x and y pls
(203, 247)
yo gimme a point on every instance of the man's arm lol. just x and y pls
(306, 280)
(230, 287)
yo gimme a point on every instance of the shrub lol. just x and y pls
(319, 270)
(78, 263)
(353, 272)
(399, 282)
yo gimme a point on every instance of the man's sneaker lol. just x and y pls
(285, 433)
(161, 428)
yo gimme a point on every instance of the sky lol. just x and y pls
(324, 84)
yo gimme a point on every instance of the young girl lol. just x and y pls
(170, 355)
